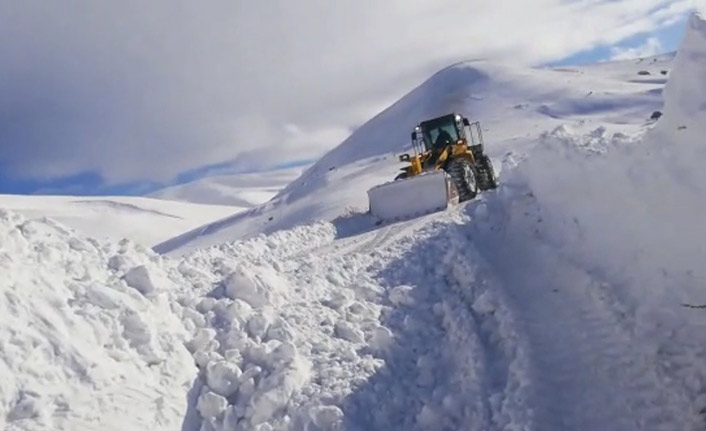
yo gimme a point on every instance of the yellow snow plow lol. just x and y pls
(447, 166)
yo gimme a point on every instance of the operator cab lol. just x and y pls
(440, 132)
(435, 134)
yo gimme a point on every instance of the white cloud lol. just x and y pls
(651, 47)
(144, 90)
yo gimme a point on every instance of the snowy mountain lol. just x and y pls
(514, 105)
(570, 298)
(241, 190)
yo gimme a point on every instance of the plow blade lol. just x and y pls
(412, 197)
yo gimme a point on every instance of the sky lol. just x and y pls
(123, 97)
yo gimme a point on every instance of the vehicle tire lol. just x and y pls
(464, 176)
(401, 176)
(486, 174)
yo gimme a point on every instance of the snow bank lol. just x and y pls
(263, 340)
(685, 94)
(79, 347)
(625, 212)
(634, 201)
(249, 335)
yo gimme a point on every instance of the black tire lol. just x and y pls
(486, 174)
(401, 176)
(464, 176)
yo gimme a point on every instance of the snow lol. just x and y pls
(244, 190)
(567, 299)
(80, 349)
(514, 105)
(142, 220)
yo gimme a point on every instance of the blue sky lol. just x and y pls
(669, 38)
(92, 106)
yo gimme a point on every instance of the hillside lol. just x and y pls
(514, 105)
(142, 220)
(245, 190)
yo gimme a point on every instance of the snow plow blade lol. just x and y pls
(412, 197)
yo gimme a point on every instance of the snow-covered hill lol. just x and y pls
(240, 190)
(515, 106)
(143, 220)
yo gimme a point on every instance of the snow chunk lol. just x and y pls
(257, 287)
(139, 278)
(381, 339)
(327, 417)
(223, 377)
(258, 325)
(401, 295)
(348, 332)
(211, 405)
(204, 339)
(276, 391)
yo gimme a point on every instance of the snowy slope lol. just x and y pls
(571, 298)
(240, 190)
(514, 105)
(143, 220)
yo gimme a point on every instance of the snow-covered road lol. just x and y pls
(452, 322)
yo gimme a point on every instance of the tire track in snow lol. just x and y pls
(587, 372)
(456, 363)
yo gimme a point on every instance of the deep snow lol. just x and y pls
(568, 299)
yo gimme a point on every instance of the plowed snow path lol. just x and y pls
(443, 322)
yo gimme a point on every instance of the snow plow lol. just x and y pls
(448, 166)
